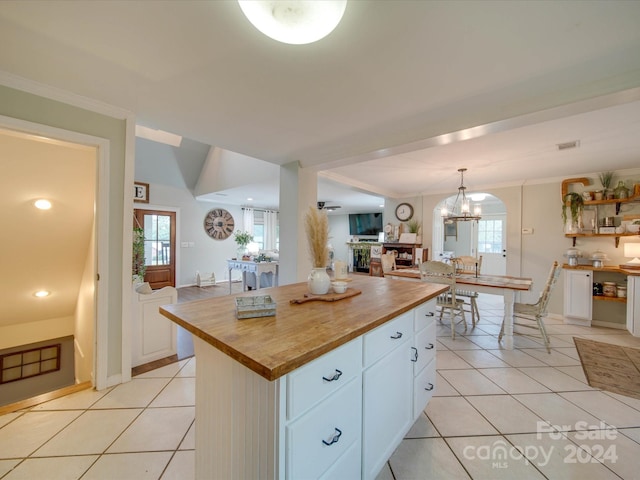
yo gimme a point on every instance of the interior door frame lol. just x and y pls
(101, 232)
(176, 210)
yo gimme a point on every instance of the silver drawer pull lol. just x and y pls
(336, 376)
(415, 357)
(396, 336)
(335, 438)
(429, 347)
(429, 388)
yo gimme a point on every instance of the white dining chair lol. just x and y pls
(535, 312)
(469, 265)
(443, 273)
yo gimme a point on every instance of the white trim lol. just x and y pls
(53, 93)
(101, 234)
(113, 380)
(127, 248)
(618, 326)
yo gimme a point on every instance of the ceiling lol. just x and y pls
(43, 249)
(393, 102)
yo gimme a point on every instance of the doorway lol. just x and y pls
(74, 233)
(159, 246)
(485, 237)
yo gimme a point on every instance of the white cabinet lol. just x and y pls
(340, 416)
(423, 356)
(153, 336)
(633, 305)
(399, 358)
(319, 438)
(578, 292)
(387, 406)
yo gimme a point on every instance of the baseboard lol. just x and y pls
(618, 326)
(114, 380)
(576, 321)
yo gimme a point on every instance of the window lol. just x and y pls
(157, 239)
(29, 363)
(489, 236)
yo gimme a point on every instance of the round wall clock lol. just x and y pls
(404, 212)
(218, 223)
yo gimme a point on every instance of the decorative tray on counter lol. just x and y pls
(256, 306)
(328, 297)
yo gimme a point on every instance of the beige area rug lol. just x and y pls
(610, 367)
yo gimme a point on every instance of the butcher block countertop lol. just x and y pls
(298, 333)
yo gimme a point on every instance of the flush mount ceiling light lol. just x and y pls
(297, 22)
(42, 204)
(461, 212)
(42, 293)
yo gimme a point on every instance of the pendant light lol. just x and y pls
(461, 210)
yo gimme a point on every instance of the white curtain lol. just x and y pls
(247, 220)
(270, 230)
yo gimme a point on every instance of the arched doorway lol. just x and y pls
(486, 237)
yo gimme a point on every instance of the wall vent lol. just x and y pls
(568, 145)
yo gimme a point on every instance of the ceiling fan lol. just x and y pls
(328, 208)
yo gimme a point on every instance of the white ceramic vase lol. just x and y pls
(319, 281)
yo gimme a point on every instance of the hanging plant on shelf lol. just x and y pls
(574, 203)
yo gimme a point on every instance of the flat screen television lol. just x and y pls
(365, 223)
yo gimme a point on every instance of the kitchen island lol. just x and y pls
(320, 390)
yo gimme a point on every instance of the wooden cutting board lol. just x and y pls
(329, 297)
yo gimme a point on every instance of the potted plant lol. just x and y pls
(242, 239)
(414, 227)
(574, 203)
(138, 265)
(316, 225)
(606, 179)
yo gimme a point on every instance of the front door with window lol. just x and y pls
(491, 244)
(159, 246)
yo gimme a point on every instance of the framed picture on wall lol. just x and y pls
(451, 230)
(141, 192)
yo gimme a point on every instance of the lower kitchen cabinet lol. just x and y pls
(578, 290)
(339, 416)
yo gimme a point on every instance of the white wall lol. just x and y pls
(204, 253)
(339, 236)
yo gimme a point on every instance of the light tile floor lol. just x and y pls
(495, 414)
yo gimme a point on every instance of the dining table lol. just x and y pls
(504, 285)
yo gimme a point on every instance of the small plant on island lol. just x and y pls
(316, 225)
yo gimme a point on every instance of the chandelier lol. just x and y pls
(460, 212)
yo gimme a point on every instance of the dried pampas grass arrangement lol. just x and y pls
(316, 225)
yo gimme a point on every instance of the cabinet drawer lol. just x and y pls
(424, 315)
(423, 387)
(385, 338)
(323, 435)
(424, 349)
(313, 382)
(347, 466)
